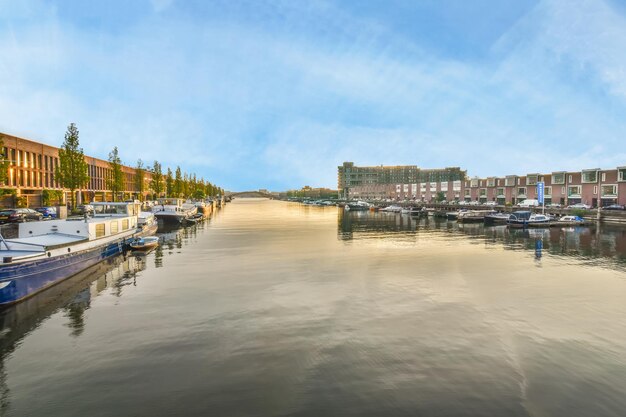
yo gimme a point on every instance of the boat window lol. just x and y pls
(98, 209)
(100, 230)
(125, 224)
(114, 226)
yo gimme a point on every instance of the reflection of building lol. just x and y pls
(589, 186)
(32, 169)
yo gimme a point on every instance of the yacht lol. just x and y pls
(45, 253)
(524, 219)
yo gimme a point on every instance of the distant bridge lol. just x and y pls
(249, 194)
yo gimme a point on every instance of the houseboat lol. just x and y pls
(173, 210)
(46, 253)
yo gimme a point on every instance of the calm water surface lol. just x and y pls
(278, 309)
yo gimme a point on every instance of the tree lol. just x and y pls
(441, 196)
(72, 170)
(116, 181)
(169, 183)
(178, 182)
(4, 163)
(157, 179)
(140, 178)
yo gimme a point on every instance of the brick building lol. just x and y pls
(32, 168)
(590, 186)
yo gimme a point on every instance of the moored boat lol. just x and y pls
(473, 215)
(45, 253)
(569, 221)
(496, 218)
(170, 210)
(144, 243)
(524, 219)
(357, 206)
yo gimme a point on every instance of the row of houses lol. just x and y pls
(590, 186)
(32, 167)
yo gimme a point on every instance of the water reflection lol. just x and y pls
(72, 298)
(604, 245)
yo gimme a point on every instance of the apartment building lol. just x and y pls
(32, 167)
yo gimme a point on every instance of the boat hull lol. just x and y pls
(170, 218)
(22, 280)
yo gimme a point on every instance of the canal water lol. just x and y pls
(279, 309)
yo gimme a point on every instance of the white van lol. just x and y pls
(529, 202)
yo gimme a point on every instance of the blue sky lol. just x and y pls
(275, 94)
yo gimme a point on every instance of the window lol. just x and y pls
(99, 230)
(510, 181)
(500, 192)
(595, 189)
(444, 186)
(590, 176)
(531, 179)
(467, 193)
(491, 182)
(573, 191)
(569, 178)
(474, 183)
(125, 224)
(547, 191)
(609, 190)
(483, 192)
(521, 192)
(456, 186)
(562, 190)
(621, 174)
(114, 226)
(603, 176)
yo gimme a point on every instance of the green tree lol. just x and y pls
(157, 179)
(178, 182)
(169, 183)
(4, 163)
(72, 170)
(140, 179)
(441, 196)
(116, 182)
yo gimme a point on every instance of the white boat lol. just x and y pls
(45, 253)
(392, 209)
(570, 221)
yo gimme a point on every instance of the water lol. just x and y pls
(278, 309)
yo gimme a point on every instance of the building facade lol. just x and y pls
(402, 181)
(32, 167)
(594, 186)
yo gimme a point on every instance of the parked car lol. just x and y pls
(19, 215)
(579, 206)
(473, 203)
(614, 207)
(529, 202)
(47, 212)
(553, 205)
(490, 204)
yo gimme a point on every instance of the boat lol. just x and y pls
(46, 253)
(496, 218)
(473, 216)
(357, 206)
(569, 221)
(173, 210)
(144, 243)
(524, 219)
(147, 224)
(416, 211)
(392, 209)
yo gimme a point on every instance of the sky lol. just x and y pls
(276, 94)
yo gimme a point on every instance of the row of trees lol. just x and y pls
(72, 173)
